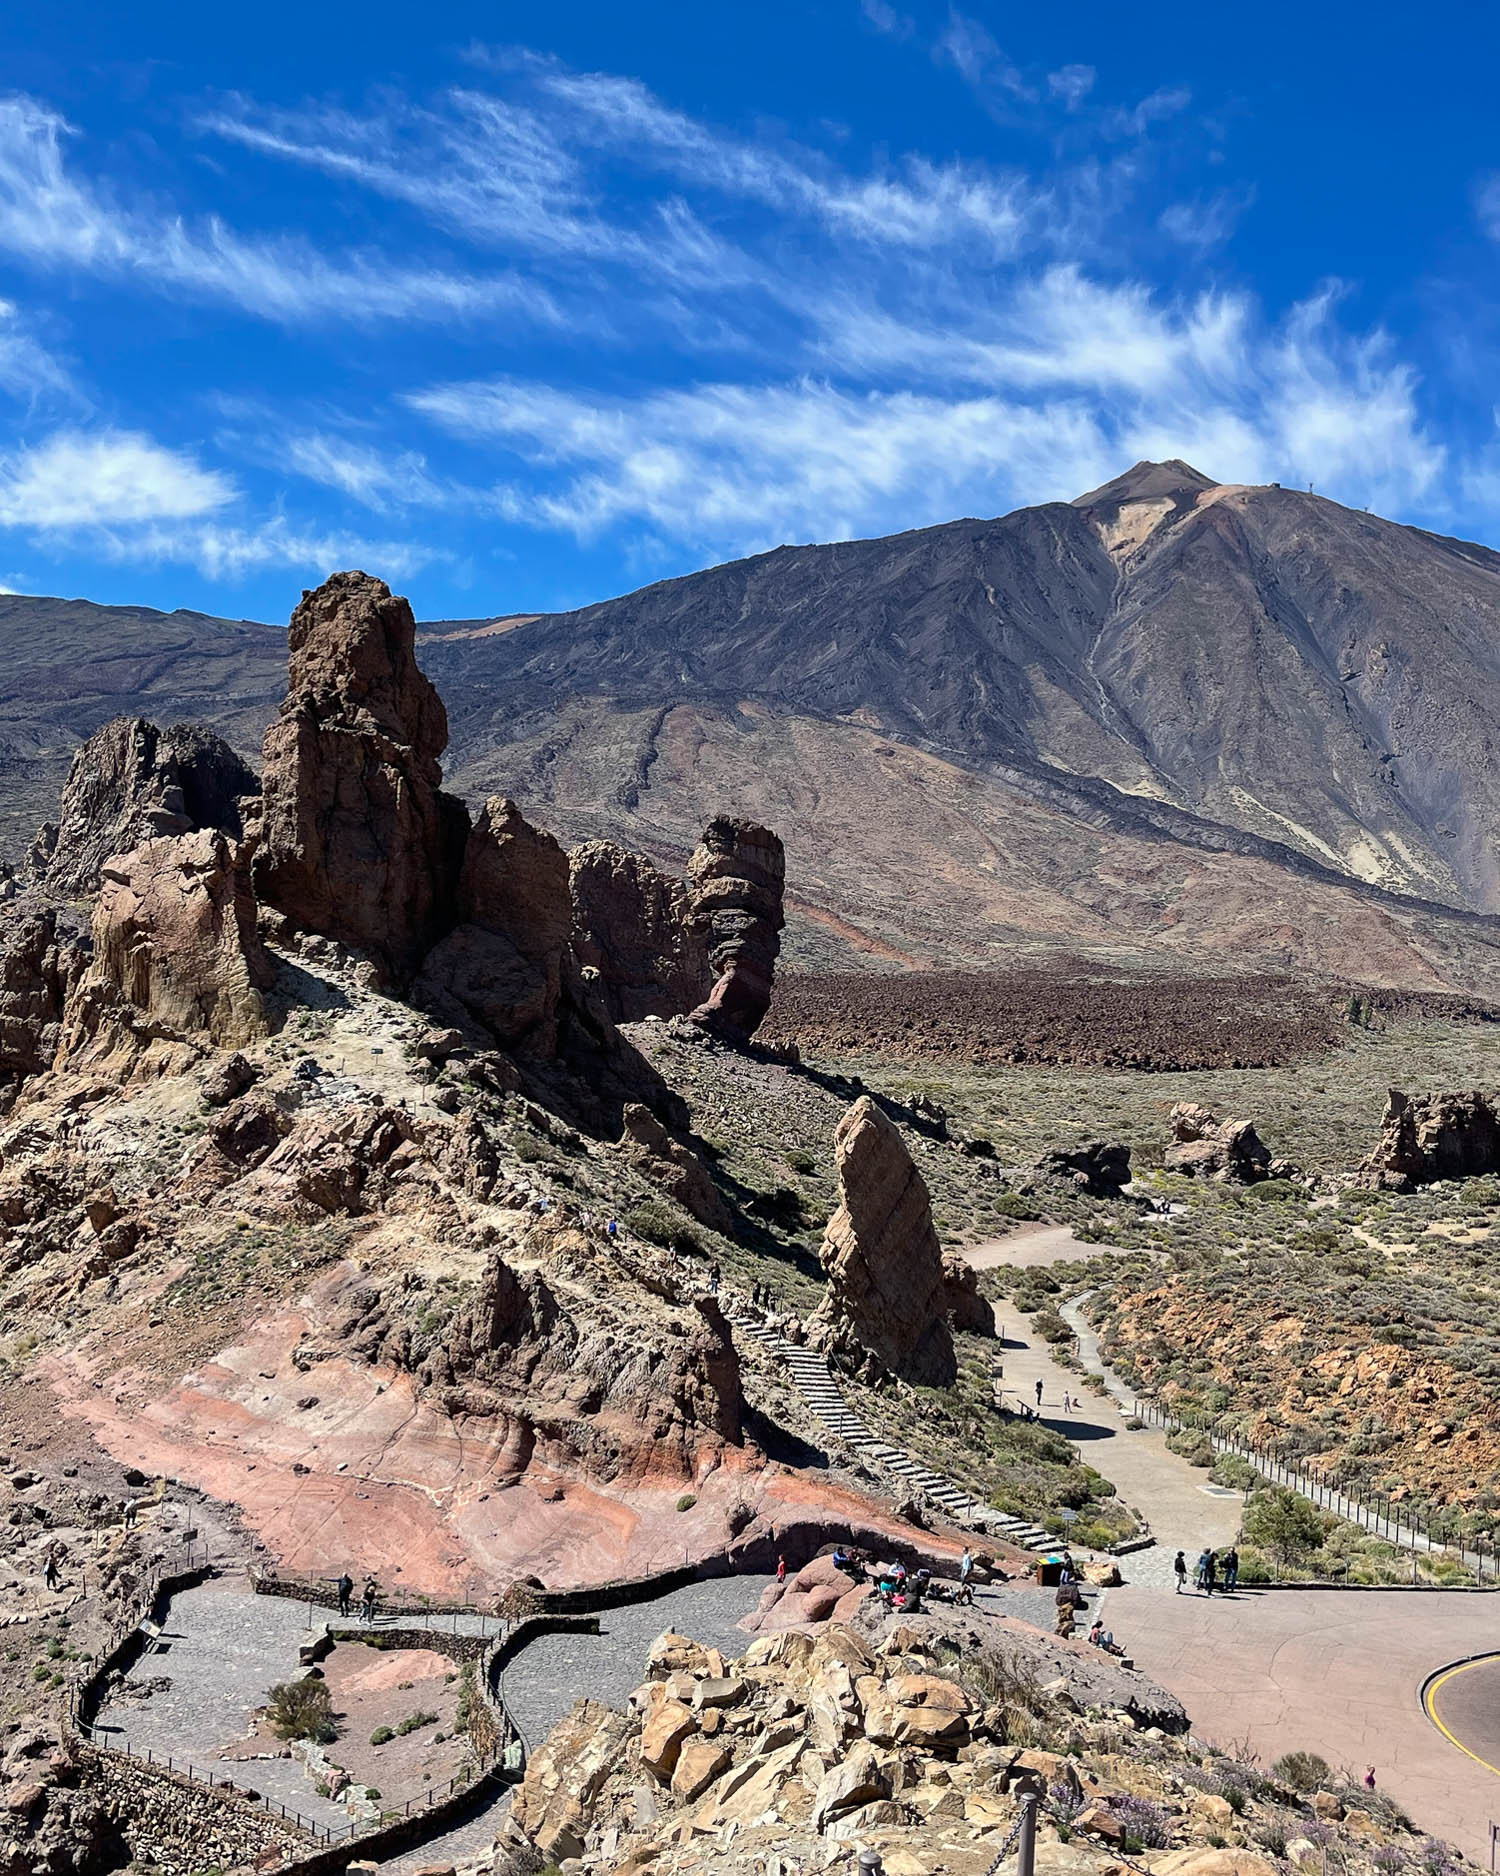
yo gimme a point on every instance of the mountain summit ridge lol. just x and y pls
(1167, 717)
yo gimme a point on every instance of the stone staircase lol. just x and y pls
(815, 1382)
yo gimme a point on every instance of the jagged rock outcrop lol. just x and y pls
(132, 782)
(889, 1293)
(642, 935)
(647, 1145)
(44, 951)
(176, 952)
(51, 1822)
(1434, 1136)
(579, 1368)
(503, 965)
(1100, 1168)
(358, 840)
(738, 880)
(1205, 1147)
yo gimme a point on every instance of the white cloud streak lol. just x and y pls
(52, 220)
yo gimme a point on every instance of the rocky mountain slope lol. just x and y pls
(1171, 721)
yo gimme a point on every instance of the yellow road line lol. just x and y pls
(1429, 1701)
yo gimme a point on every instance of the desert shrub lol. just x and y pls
(1012, 1205)
(1279, 1521)
(1196, 1448)
(801, 1162)
(1050, 1326)
(659, 1224)
(381, 1735)
(301, 1710)
(687, 1501)
(1146, 1825)
(413, 1721)
(1302, 1771)
(1230, 1470)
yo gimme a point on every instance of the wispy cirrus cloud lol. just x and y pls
(53, 219)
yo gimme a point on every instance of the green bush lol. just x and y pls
(659, 1224)
(687, 1501)
(1196, 1448)
(301, 1710)
(1050, 1326)
(381, 1735)
(1287, 1526)
(1302, 1771)
(415, 1720)
(1229, 1469)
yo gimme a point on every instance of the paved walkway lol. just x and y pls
(1336, 1672)
(1463, 1703)
(225, 1647)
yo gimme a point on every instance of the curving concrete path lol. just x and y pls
(224, 1647)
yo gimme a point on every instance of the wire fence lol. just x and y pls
(1376, 1512)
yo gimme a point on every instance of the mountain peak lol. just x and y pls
(1148, 481)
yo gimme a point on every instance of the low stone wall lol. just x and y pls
(375, 1846)
(624, 1591)
(182, 1827)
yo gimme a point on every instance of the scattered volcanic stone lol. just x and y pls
(674, 1167)
(889, 1293)
(1434, 1136)
(1099, 1167)
(132, 782)
(175, 938)
(642, 935)
(502, 967)
(358, 840)
(738, 876)
(1205, 1147)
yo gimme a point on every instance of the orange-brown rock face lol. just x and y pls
(889, 1292)
(175, 944)
(640, 933)
(502, 966)
(738, 880)
(358, 840)
(1434, 1136)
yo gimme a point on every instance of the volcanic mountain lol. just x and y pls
(1174, 719)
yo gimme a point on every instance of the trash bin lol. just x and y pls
(1049, 1572)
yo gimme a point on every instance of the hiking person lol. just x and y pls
(1231, 1570)
(1179, 1570)
(1069, 1568)
(966, 1565)
(781, 1569)
(1067, 1402)
(368, 1599)
(346, 1590)
(49, 1574)
(1205, 1563)
(129, 1513)
(1039, 1393)
(1369, 1778)
(1211, 1573)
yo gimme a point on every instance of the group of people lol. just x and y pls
(1206, 1571)
(369, 1600)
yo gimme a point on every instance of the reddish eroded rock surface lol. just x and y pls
(638, 932)
(359, 842)
(502, 967)
(176, 953)
(738, 880)
(132, 782)
(1434, 1136)
(890, 1290)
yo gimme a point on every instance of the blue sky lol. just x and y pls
(523, 305)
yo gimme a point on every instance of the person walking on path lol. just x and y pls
(1067, 1402)
(965, 1565)
(1205, 1564)
(781, 1569)
(369, 1598)
(1211, 1573)
(50, 1572)
(346, 1590)
(1231, 1570)
(1039, 1391)
(1179, 1570)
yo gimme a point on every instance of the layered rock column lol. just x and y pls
(358, 841)
(641, 935)
(738, 881)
